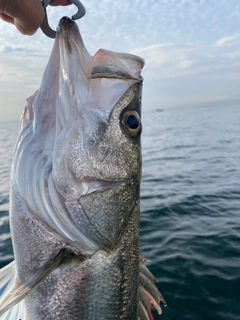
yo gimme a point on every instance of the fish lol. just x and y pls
(74, 198)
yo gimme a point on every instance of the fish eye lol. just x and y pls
(131, 123)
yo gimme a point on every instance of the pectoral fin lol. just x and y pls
(148, 294)
(13, 292)
(7, 282)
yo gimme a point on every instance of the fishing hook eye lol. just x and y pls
(47, 30)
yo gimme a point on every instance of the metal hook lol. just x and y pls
(47, 30)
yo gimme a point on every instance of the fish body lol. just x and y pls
(76, 173)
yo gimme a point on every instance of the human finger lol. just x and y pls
(27, 15)
(6, 18)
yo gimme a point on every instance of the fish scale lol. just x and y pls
(106, 284)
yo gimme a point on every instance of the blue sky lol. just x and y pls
(191, 49)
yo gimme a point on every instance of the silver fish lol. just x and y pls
(74, 209)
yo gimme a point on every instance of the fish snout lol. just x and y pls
(66, 22)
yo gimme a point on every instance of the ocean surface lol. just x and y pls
(190, 208)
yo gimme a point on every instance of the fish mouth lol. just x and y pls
(65, 23)
(105, 63)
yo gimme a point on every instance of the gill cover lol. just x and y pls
(77, 161)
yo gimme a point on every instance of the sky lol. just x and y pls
(191, 50)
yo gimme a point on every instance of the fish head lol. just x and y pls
(86, 121)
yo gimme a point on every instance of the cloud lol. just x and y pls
(231, 40)
(11, 49)
(191, 73)
(191, 49)
(172, 59)
(20, 76)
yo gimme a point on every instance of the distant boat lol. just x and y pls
(159, 110)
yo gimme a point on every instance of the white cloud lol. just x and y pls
(192, 73)
(176, 37)
(20, 76)
(231, 40)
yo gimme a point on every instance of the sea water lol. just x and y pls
(190, 208)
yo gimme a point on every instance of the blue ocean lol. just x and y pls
(190, 208)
